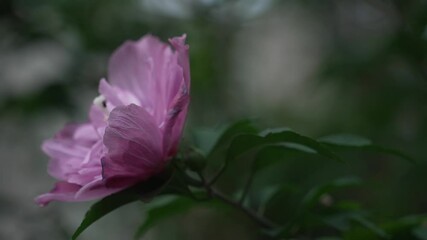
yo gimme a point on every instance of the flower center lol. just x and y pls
(101, 103)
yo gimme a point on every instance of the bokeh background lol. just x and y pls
(318, 67)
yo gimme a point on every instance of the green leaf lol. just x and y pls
(268, 193)
(295, 138)
(346, 140)
(420, 232)
(219, 151)
(177, 184)
(238, 128)
(370, 225)
(142, 191)
(205, 139)
(242, 144)
(358, 142)
(404, 226)
(246, 142)
(314, 195)
(329, 238)
(105, 206)
(342, 221)
(273, 130)
(161, 210)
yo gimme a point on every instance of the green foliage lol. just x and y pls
(105, 206)
(163, 208)
(183, 186)
(360, 143)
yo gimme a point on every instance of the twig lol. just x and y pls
(265, 223)
(247, 186)
(218, 174)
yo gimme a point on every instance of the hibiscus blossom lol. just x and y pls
(134, 128)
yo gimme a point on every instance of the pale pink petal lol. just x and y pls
(175, 123)
(69, 192)
(147, 69)
(62, 191)
(130, 68)
(68, 148)
(110, 93)
(134, 145)
(178, 107)
(95, 189)
(85, 133)
(183, 56)
(98, 119)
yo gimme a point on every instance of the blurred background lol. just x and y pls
(318, 67)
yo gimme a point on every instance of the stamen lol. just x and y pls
(101, 102)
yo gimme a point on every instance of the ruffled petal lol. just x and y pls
(95, 189)
(68, 149)
(178, 106)
(149, 70)
(69, 192)
(98, 119)
(62, 191)
(134, 144)
(175, 123)
(131, 67)
(183, 57)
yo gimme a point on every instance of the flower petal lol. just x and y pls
(131, 66)
(110, 93)
(69, 192)
(183, 57)
(95, 189)
(149, 70)
(134, 144)
(178, 108)
(62, 191)
(175, 123)
(68, 148)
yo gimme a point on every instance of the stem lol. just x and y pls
(248, 212)
(218, 174)
(265, 223)
(247, 185)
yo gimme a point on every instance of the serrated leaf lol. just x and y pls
(295, 138)
(246, 142)
(358, 142)
(161, 210)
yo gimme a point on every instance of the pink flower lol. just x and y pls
(135, 124)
